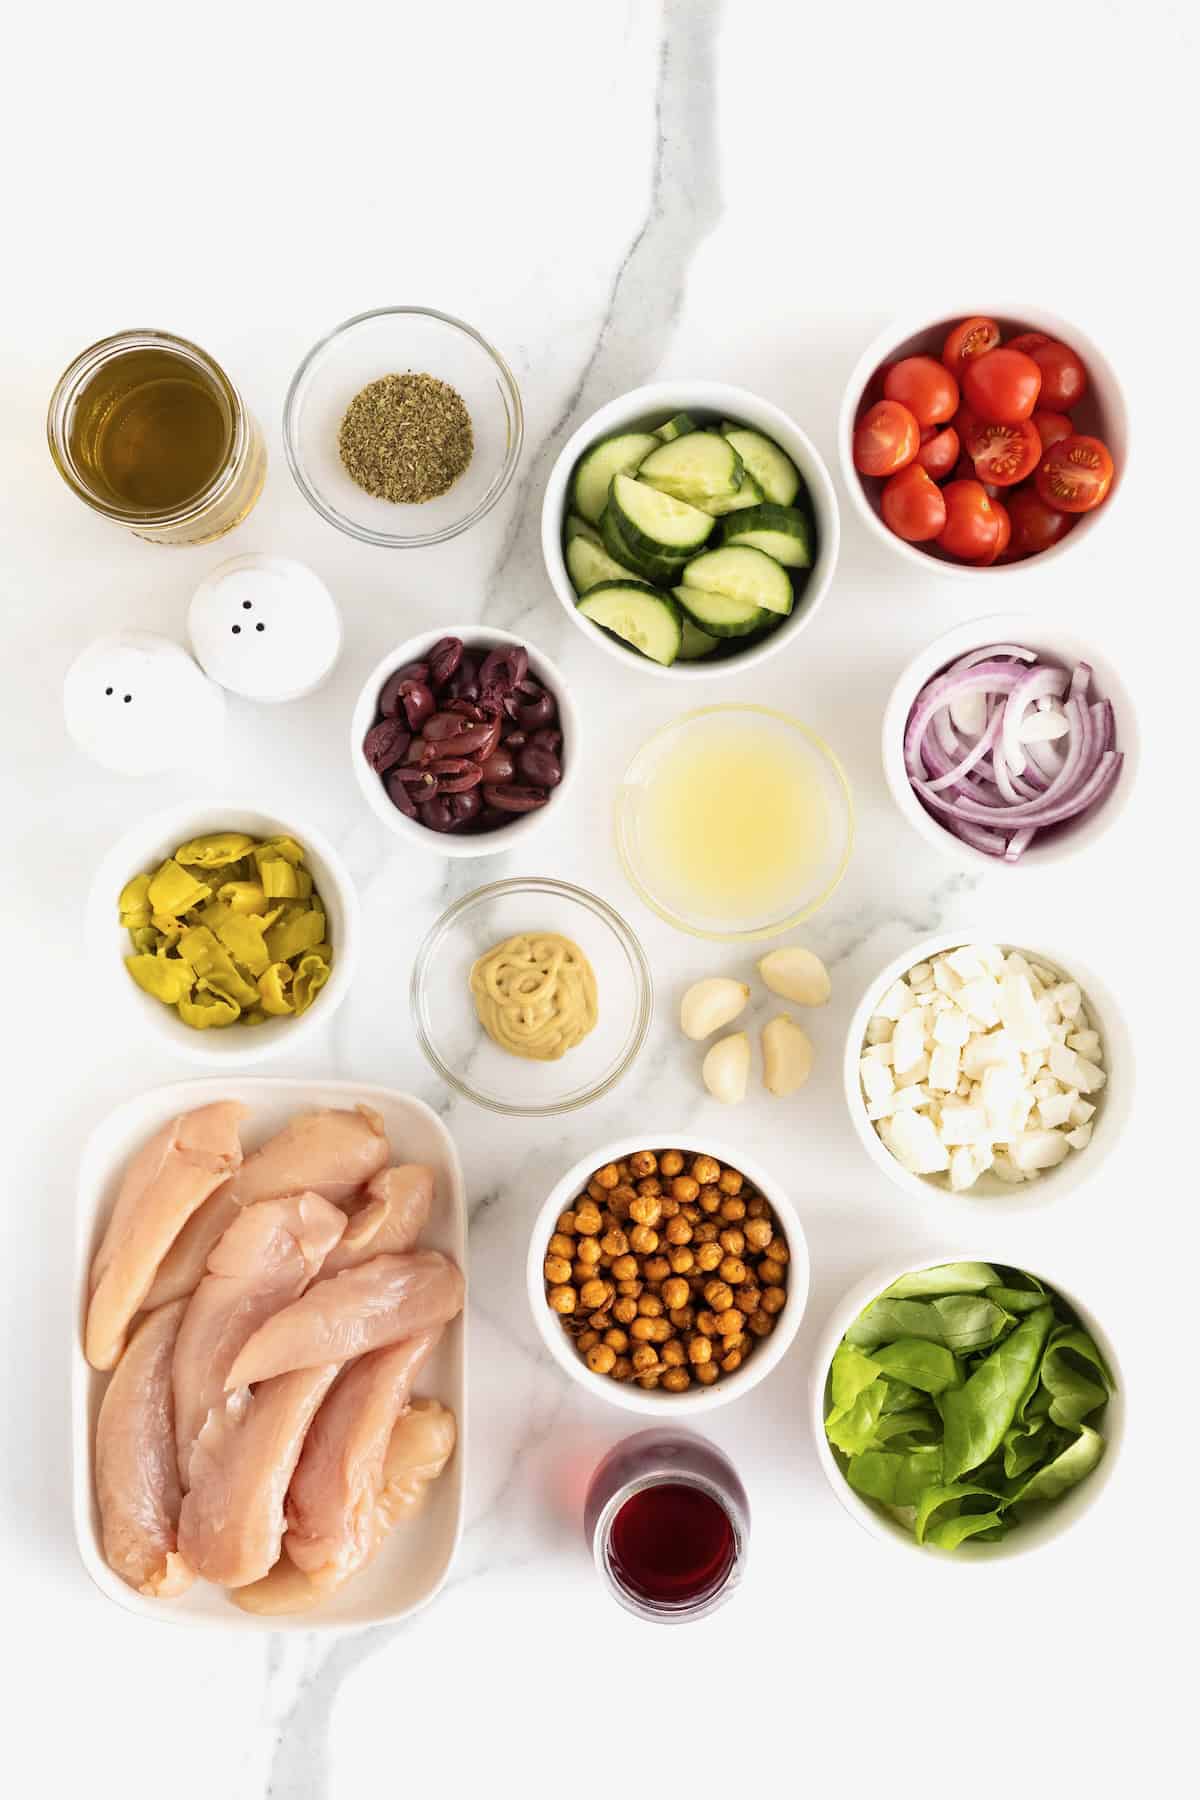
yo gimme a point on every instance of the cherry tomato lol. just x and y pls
(928, 390)
(1052, 427)
(1064, 378)
(1002, 454)
(972, 528)
(913, 506)
(1075, 474)
(1028, 341)
(969, 339)
(1002, 385)
(1035, 526)
(885, 439)
(1003, 536)
(939, 451)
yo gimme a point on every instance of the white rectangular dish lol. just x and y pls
(414, 1562)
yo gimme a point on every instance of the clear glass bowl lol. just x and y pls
(394, 340)
(754, 904)
(448, 1027)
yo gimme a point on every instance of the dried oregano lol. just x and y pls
(406, 438)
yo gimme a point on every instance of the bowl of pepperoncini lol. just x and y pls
(231, 933)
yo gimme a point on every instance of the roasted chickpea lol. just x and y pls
(732, 1210)
(587, 1219)
(643, 1162)
(594, 1293)
(757, 1208)
(699, 1349)
(777, 1249)
(619, 1200)
(677, 1381)
(737, 1340)
(649, 1188)
(608, 1176)
(647, 1381)
(556, 1269)
(617, 1340)
(730, 1181)
(566, 1222)
(708, 1256)
(760, 1323)
(670, 1162)
(705, 1170)
(560, 1245)
(656, 1268)
(774, 1299)
(682, 1260)
(650, 1306)
(731, 1361)
(600, 1320)
(660, 1330)
(758, 1233)
(643, 1240)
(732, 1240)
(644, 1357)
(678, 1231)
(730, 1322)
(705, 1232)
(581, 1271)
(770, 1272)
(586, 1339)
(645, 1210)
(706, 1324)
(625, 1310)
(682, 1317)
(706, 1373)
(685, 1188)
(733, 1270)
(562, 1299)
(692, 1214)
(719, 1295)
(614, 1243)
(674, 1354)
(670, 1208)
(596, 1192)
(590, 1251)
(622, 1369)
(747, 1299)
(629, 1290)
(675, 1292)
(625, 1268)
(709, 1199)
(600, 1359)
(642, 1329)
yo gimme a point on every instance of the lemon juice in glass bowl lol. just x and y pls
(735, 822)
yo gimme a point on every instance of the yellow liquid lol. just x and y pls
(733, 826)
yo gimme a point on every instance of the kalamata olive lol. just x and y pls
(464, 683)
(499, 766)
(530, 686)
(455, 774)
(437, 814)
(511, 738)
(502, 670)
(547, 740)
(444, 659)
(511, 799)
(541, 768)
(467, 738)
(385, 744)
(389, 693)
(416, 750)
(400, 794)
(491, 818)
(466, 709)
(537, 713)
(465, 807)
(418, 702)
(444, 725)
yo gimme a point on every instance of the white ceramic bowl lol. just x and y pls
(648, 406)
(656, 1403)
(416, 1559)
(1102, 413)
(446, 843)
(1061, 843)
(1031, 1535)
(990, 1196)
(141, 849)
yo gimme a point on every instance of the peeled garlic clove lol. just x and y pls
(708, 1005)
(787, 1056)
(796, 974)
(726, 1068)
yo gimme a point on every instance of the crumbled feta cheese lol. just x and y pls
(898, 1000)
(951, 1027)
(943, 1068)
(944, 978)
(966, 963)
(1031, 1150)
(981, 998)
(908, 1040)
(963, 1125)
(1080, 1138)
(1054, 1110)
(876, 1078)
(1020, 1014)
(915, 1144)
(1074, 1070)
(1067, 998)
(988, 1050)
(1081, 1110)
(1086, 1042)
(879, 1030)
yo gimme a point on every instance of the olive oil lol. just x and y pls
(150, 431)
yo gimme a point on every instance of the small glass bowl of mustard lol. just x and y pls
(448, 1023)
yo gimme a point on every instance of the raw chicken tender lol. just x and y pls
(137, 1481)
(331, 1506)
(392, 1217)
(331, 1153)
(264, 1261)
(365, 1308)
(168, 1179)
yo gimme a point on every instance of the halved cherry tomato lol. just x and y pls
(1075, 475)
(1052, 427)
(965, 468)
(1002, 454)
(968, 339)
(1003, 535)
(928, 390)
(1064, 378)
(1035, 526)
(1028, 341)
(1002, 385)
(972, 528)
(912, 505)
(939, 451)
(885, 439)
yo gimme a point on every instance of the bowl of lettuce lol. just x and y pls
(965, 1407)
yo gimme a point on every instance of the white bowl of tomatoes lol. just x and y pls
(983, 440)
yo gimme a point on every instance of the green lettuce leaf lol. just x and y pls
(1068, 1370)
(930, 1367)
(853, 1430)
(960, 1322)
(946, 1278)
(1069, 1467)
(894, 1478)
(978, 1414)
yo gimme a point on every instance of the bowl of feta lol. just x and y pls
(993, 1073)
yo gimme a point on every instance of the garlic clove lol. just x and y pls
(797, 975)
(709, 1004)
(726, 1068)
(787, 1056)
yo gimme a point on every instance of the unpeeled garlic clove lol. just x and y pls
(709, 1004)
(726, 1068)
(787, 1056)
(797, 975)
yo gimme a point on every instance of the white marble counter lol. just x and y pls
(608, 196)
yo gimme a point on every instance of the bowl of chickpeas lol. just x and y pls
(667, 1276)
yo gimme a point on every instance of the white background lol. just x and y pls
(247, 176)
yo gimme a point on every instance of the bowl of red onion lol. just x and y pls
(1009, 743)
(464, 739)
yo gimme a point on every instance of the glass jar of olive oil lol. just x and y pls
(151, 432)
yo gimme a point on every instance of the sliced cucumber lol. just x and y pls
(784, 532)
(657, 524)
(749, 494)
(749, 576)
(698, 467)
(596, 467)
(717, 615)
(676, 427)
(695, 643)
(775, 473)
(662, 571)
(589, 563)
(632, 611)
